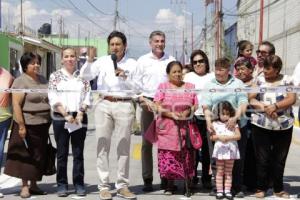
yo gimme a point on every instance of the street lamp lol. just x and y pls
(192, 30)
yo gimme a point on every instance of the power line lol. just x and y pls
(252, 12)
(58, 4)
(85, 16)
(132, 28)
(100, 11)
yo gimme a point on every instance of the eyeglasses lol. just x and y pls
(198, 61)
(263, 53)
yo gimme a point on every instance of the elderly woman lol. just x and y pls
(174, 106)
(239, 101)
(246, 168)
(200, 76)
(69, 109)
(28, 140)
(272, 127)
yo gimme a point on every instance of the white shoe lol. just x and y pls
(1, 195)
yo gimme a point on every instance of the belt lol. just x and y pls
(115, 99)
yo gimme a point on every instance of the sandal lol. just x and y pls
(282, 194)
(228, 196)
(260, 194)
(219, 195)
(24, 192)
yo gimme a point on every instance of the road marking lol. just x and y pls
(296, 123)
(296, 134)
(136, 152)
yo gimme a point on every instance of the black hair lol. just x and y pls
(171, 64)
(119, 35)
(270, 45)
(200, 52)
(27, 57)
(220, 107)
(242, 45)
(273, 61)
(244, 61)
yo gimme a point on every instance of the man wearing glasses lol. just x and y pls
(264, 50)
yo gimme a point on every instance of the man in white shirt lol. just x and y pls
(115, 112)
(152, 68)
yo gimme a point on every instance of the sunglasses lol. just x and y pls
(198, 61)
(263, 53)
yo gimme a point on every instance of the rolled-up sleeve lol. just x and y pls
(89, 71)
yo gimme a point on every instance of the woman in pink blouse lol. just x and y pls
(175, 108)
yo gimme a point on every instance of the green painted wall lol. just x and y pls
(5, 39)
(100, 44)
(4, 55)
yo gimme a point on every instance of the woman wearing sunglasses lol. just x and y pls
(200, 76)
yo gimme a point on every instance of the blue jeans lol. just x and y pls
(4, 126)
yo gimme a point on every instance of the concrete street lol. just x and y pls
(12, 186)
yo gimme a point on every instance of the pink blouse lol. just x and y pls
(177, 101)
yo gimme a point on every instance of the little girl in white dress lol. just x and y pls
(225, 149)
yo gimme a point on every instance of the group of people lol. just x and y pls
(236, 128)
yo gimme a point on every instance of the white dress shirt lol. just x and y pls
(108, 82)
(153, 72)
(200, 82)
(72, 101)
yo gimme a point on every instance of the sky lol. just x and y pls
(137, 18)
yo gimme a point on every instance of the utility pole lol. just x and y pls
(192, 32)
(205, 29)
(183, 47)
(116, 15)
(22, 28)
(219, 31)
(78, 34)
(60, 30)
(220, 27)
(261, 21)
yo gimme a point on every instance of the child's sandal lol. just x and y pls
(219, 195)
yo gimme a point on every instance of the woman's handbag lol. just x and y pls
(194, 134)
(150, 135)
(49, 168)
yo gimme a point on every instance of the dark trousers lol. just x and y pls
(250, 166)
(271, 146)
(205, 159)
(238, 167)
(62, 138)
(4, 127)
(147, 158)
